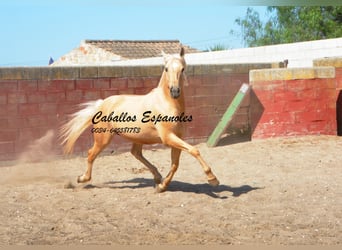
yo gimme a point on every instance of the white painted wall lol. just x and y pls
(298, 54)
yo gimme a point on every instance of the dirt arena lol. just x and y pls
(275, 191)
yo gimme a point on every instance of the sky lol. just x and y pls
(32, 31)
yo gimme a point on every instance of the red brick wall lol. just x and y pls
(335, 62)
(297, 105)
(35, 100)
(339, 78)
(339, 100)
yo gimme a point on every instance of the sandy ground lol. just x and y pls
(275, 191)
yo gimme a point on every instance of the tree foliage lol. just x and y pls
(291, 24)
(218, 47)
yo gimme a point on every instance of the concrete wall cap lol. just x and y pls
(291, 74)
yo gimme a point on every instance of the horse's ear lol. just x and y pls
(182, 52)
(165, 56)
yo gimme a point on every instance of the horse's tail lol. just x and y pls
(70, 131)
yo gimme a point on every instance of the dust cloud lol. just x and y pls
(40, 150)
(36, 163)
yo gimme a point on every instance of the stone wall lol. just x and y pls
(35, 100)
(335, 62)
(293, 102)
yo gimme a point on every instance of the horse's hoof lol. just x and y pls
(81, 179)
(213, 182)
(160, 188)
(157, 181)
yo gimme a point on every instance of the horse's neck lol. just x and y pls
(162, 82)
(176, 103)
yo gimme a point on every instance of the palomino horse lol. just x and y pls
(157, 117)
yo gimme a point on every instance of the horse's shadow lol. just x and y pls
(178, 186)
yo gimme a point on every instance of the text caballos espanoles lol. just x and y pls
(147, 116)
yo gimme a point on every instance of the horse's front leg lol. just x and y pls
(174, 141)
(175, 154)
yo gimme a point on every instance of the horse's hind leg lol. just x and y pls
(101, 140)
(137, 152)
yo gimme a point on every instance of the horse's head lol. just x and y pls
(174, 72)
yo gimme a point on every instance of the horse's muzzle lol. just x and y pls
(175, 92)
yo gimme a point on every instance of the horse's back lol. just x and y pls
(126, 114)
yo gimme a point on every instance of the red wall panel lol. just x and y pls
(31, 107)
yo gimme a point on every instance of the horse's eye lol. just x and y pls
(182, 70)
(166, 69)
